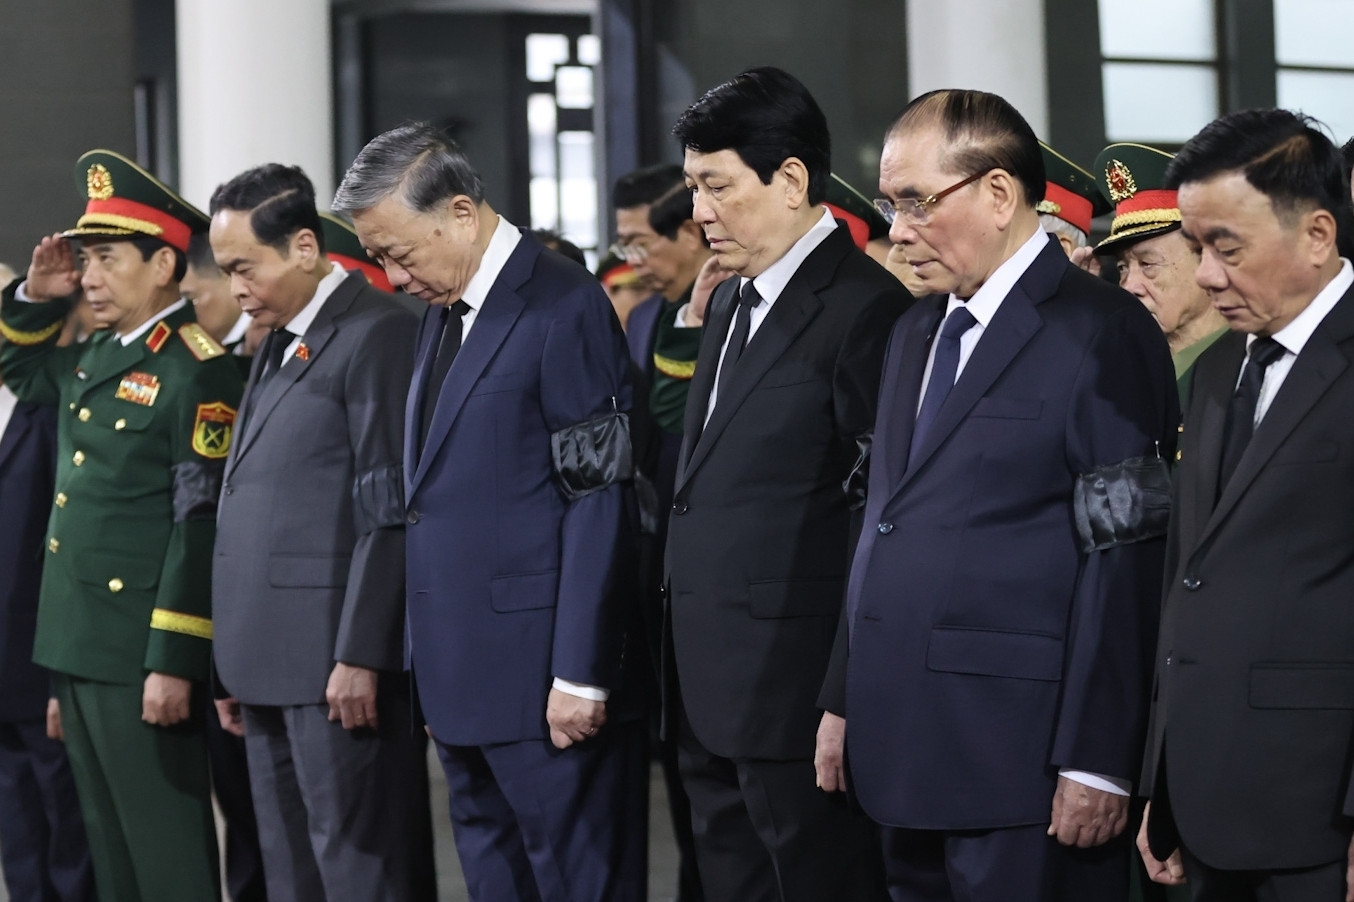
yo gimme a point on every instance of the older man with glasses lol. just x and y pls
(1002, 599)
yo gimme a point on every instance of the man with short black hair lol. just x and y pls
(310, 554)
(1002, 601)
(1248, 758)
(761, 524)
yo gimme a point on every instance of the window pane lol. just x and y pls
(1329, 96)
(1134, 28)
(544, 203)
(578, 188)
(1162, 103)
(589, 49)
(544, 53)
(541, 132)
(1314, 33)
(573, 87)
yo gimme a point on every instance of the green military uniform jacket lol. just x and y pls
(1184, 365)
(143, 434)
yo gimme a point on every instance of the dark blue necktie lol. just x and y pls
(451, 321)
(1241, 414)
(944, 370)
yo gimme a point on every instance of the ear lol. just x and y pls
(462, 214)
(163, 261)
(1318, 231)
(1006, 196)
(306, 247)
(796, 176)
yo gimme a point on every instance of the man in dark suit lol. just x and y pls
(308, 570)
(1248, 759)
(516, 455)
(758, 544)
(43, 849)
(1002, 598)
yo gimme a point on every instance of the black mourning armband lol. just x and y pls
(590, 456)
(378, 498)
(858, 480)
(197, 488)
(1121, 503)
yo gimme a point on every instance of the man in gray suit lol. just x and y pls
(308, 576)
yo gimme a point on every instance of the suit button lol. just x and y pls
(228, 489)
(115, 585)
(84, 414)
(412, 517)
(679, 507)
(885, 528)
(78, 458)
(72, 405)
(1169, 660)
(61, 499)
(1192, 583)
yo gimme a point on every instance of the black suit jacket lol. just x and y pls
(27, 474)
(1253, 713)
(758, 542)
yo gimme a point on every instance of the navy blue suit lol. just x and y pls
(43, 848)
(511, 584)
(987, 649)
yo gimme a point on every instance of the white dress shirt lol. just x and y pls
(7, 402)
(302, 320)
(1293, 337)
(984, 303)
(770, 285)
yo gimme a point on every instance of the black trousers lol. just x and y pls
(1323, 883)
(764, 832)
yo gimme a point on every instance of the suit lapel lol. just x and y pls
(901, 395)
(321, 330)
(495, 319)
(1316, 368)
(719, 315)
(1214, 382)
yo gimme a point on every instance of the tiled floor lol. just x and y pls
(451, 887)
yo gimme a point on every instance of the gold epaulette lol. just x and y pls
(177, 622)
(677, 369)
(202, 345)
(15, 337)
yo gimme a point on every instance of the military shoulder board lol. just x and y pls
(202, 345)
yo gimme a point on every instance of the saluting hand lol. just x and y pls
(53, 271)
(164, 700)
(707, 280)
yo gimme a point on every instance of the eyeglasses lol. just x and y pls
(916, 210)
(630, 251)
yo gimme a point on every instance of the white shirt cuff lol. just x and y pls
(1116, 785)
(680, 322)
(582, 690)
(20, 294)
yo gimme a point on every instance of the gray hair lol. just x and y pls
(416, 160)
(1062, 227)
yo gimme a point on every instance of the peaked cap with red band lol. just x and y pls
(342, 246)
(856, 210)
(1134, 179)
(126, 201)
(1070, 192)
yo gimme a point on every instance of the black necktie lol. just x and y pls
(1241, 414)
(274, 348)
(742, 325)
(944, 370)
(447, 347)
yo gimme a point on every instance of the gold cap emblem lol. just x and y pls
(100, 182)
(1120, 181)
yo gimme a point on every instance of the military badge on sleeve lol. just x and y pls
(212, 429)
(139, 388)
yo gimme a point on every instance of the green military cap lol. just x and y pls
(1135, 182)
(125, 201)
(846, 203)
(1070, 192)
(342, 246)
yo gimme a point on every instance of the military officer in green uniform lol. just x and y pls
(147, 408)
(1156, 264)
(1071, 200)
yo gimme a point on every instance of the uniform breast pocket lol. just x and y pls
(124, 416)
